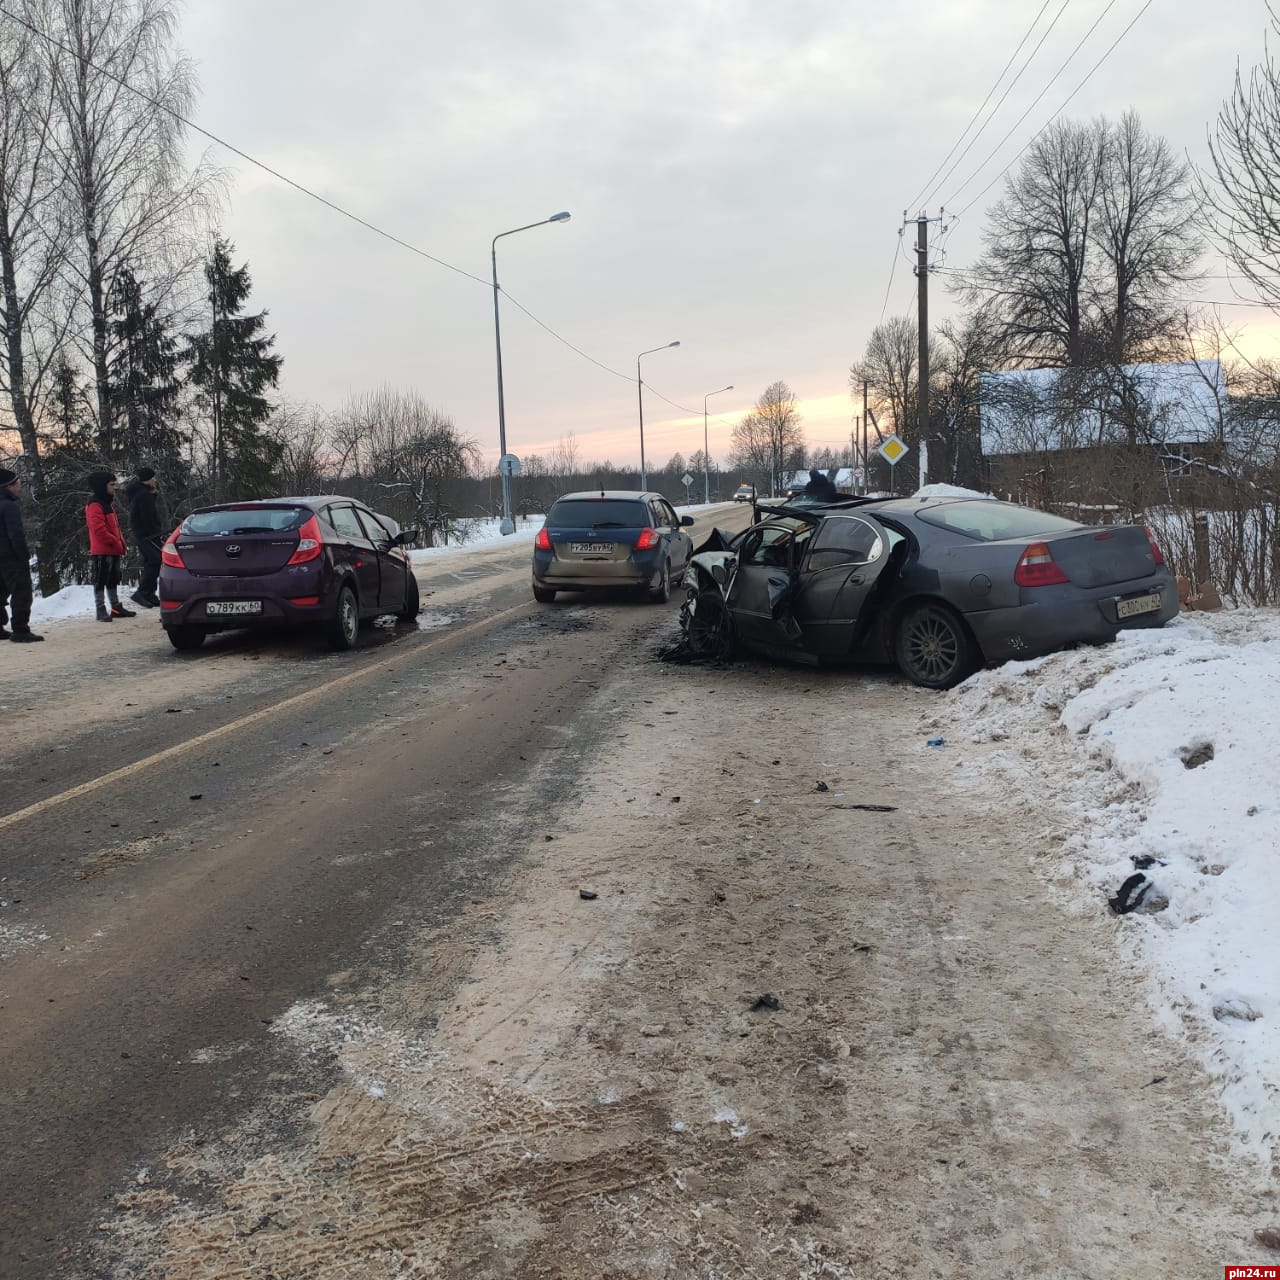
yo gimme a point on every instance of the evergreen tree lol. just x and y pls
(142, 378)
(232, 365)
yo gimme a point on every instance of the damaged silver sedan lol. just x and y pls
(938, 586)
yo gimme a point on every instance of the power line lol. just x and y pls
(329, 204)
(1088, 76)
(885, 304)
(1003, 97)
(1093, 26)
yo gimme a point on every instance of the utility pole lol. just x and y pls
(922, 294)
(866, 451)
(922, 221)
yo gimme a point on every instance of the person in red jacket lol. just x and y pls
(106, 546)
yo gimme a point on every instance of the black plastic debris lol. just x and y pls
(587, 895)
(869, 808)
(199, 795)
(766, 1001)
(821, 786)
(1144, 860)
(1130, 894)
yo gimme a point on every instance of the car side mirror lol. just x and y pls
(719, 574)
(686, 521)
(405, 537)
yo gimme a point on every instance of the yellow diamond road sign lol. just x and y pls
(893, 450)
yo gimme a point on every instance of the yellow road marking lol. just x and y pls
(307, 695)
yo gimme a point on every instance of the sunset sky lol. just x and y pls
(737, 173)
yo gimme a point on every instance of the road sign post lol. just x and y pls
(686, 480)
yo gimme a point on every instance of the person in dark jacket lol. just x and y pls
(147, 524)
(820, 487)
(15, 564)
(106, 546)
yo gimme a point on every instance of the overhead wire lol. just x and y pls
(160, 105)
(1026, 36)
(1003, 98)
(1088, 76)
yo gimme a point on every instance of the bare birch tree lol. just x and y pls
(120, 90)
(32, 233)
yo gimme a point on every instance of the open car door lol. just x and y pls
(769, 558)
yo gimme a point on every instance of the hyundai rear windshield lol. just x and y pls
(235, 521)
(598, 513)
(991, 521)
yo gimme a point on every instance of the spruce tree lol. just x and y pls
(231, 365)
(143, 381)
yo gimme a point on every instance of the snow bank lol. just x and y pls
(1162, 747)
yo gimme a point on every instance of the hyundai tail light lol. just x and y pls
(310, 544)
(647, 540)
(169, 553)
(1155, 546)
(543, 540)
(1038, 568)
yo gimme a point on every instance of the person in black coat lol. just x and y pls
(15, 564)
(820, 488)
(147, 525)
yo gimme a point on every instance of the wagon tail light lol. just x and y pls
(543, 540)
(647, 540)
(1155, 546)
(1038, 568)
(169, 553)
(309, 543)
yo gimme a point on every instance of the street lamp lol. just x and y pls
(508, 524)
(644, 475)
(706, 474)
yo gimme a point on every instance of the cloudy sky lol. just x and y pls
(736, 171)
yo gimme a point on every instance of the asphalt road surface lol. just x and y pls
(185, 851)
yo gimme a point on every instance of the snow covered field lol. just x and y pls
(1163, 748)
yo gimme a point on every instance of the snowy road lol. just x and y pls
(348, 1015)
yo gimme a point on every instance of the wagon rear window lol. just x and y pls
(598, 513)
(990, 521)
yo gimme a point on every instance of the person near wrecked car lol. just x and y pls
(15, 564)
(820, 487)
(106, 546)
(146, 522)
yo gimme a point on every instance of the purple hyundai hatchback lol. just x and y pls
(325, 562)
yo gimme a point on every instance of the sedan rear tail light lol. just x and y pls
(647, 540)
(1038, 568)
(1155, 546)
(169, 553)
(543, 540)
(310, 544)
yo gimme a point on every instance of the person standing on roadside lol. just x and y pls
(15, 563)
(147, 525)
(106, 546)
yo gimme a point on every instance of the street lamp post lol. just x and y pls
(706, 473)
(508, 524)
(644, 475)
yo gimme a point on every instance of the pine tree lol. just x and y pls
(232, 364)
(142, 377)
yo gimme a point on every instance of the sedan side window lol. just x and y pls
(668, 514)
(343, 520)
(843, 540)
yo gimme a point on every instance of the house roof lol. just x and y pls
(1039, 410)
